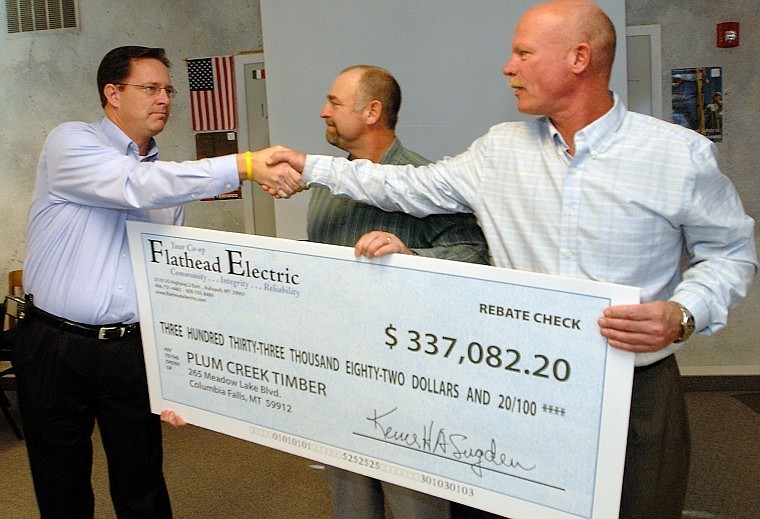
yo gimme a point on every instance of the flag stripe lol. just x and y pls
(212, 93)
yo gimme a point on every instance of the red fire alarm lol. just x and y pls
(728, 34)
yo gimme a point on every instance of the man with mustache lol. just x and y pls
(79, 353)
(361, 112)
(591, 190)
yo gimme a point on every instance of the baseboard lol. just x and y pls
(722, 370)
(696, 383)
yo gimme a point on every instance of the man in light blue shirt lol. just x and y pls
(590, 190)
(79, 356)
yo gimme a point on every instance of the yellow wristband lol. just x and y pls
(248, 166)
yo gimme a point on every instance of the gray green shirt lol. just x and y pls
(341, 221)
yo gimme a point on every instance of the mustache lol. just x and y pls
(515, 83)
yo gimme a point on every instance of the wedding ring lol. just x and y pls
(389, 240)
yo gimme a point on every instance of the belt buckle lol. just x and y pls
(103, 332)
(15, 307)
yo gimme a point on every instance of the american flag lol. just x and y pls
(212, 93)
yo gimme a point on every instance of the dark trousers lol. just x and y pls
(656, 473)
(65, 382)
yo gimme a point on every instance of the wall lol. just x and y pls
(50, 78)
(688, 40)
(453, 88)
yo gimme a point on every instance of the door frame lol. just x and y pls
(655, 59)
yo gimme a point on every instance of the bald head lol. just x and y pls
(573, 21)
(561, 63)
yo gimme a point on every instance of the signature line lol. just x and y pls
(460, 461)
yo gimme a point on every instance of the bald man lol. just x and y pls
(593, 191)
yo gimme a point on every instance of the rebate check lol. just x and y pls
(482, 385)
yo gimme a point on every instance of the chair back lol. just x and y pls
(15, 288)
(7, 345)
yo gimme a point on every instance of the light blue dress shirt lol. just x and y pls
(620, 210)
(90, 182)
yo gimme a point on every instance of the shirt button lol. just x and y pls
(568, 254)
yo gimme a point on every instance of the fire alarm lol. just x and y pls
(728, 34)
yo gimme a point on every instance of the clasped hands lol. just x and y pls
(278, 171)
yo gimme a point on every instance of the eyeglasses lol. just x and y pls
(152, 90)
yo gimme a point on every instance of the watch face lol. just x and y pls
(690, 325)
(687, 324)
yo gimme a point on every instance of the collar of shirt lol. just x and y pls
(595, 137)
(393, 155)
(123, 143)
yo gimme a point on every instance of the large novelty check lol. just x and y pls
(481, 385)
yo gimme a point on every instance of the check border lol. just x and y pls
(615, 394)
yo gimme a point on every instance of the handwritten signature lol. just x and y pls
(436, 440)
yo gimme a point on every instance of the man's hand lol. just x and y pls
(378, 243)
(645, 327)
(296, 159)
(172, 418)
(277, 178)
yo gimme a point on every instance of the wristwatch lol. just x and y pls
(687, 324)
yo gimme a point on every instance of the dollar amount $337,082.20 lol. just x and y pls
(492, 355)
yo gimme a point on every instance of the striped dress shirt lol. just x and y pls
(636, 194)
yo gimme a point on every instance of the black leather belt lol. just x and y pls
(105, 332)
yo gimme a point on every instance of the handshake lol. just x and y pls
(276, 169)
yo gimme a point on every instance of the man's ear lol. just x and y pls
(581, 57)
(112, 95)
(374, 111)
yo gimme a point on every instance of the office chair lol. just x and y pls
(6, 349)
